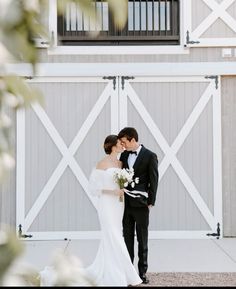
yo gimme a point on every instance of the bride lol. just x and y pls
(112, 265)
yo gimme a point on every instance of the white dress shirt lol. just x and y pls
(132, 157)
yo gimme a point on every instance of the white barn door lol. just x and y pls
(180, 119)
(58, 144)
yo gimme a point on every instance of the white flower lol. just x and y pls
(7, 161)
(5, 121)
(32, 5)
(126, 184)
(66, 270)
(10, 12)
(11, 100)
(4, 5)
(4, 54)
(124, 177)
(21, 274)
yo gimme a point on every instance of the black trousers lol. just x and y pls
(136, 219)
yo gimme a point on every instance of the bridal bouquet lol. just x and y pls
(124, 177)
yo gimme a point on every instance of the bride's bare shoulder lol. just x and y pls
(105, 163)
(101, 165)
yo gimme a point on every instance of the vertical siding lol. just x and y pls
(170, 104)
(67, 105)
(229, 154)
(200, 54)
(200, 11)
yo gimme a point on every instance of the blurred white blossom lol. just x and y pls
(19, 25)
(21, 274)
(4, 54)
(4, 6)
(66, 270)
(32, 5)
(6, 161)
(5, 121)
(10, 12)
(11, 100)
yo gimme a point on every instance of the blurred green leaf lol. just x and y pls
(119, 11)
(20, 24)
(10, 249)
(20, 29)
(21, 89)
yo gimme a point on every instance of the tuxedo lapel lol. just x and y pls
(139, 158)
(125, 160)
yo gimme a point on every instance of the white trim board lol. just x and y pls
(96, 235)
(116, 69)
(118, 50)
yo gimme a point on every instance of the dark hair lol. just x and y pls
(129, 133)
(110, 141)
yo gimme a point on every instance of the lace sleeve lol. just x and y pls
(95, 183)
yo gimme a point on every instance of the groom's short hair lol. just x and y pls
(129, 133)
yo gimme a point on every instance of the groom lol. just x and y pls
(141, 198)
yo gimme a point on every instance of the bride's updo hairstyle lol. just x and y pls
(110, 141)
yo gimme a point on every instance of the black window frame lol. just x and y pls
(115, 36)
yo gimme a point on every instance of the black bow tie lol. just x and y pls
(131, 152)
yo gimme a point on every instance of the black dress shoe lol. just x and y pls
(144, 278)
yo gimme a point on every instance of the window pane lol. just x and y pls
(137, 18)
(76, 20)
(130, 16)
(150, 16)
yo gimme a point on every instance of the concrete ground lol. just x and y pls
(175, 262)
(187, 279)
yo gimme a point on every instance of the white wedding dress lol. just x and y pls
(112, 265)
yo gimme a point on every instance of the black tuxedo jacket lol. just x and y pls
(146, 169)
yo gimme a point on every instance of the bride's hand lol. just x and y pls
(119, 192)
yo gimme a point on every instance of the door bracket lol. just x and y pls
(123, 78)
(217, 234)
(213, 77)
(20, 235)
(111, 78)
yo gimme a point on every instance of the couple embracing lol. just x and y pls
(121, 221)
